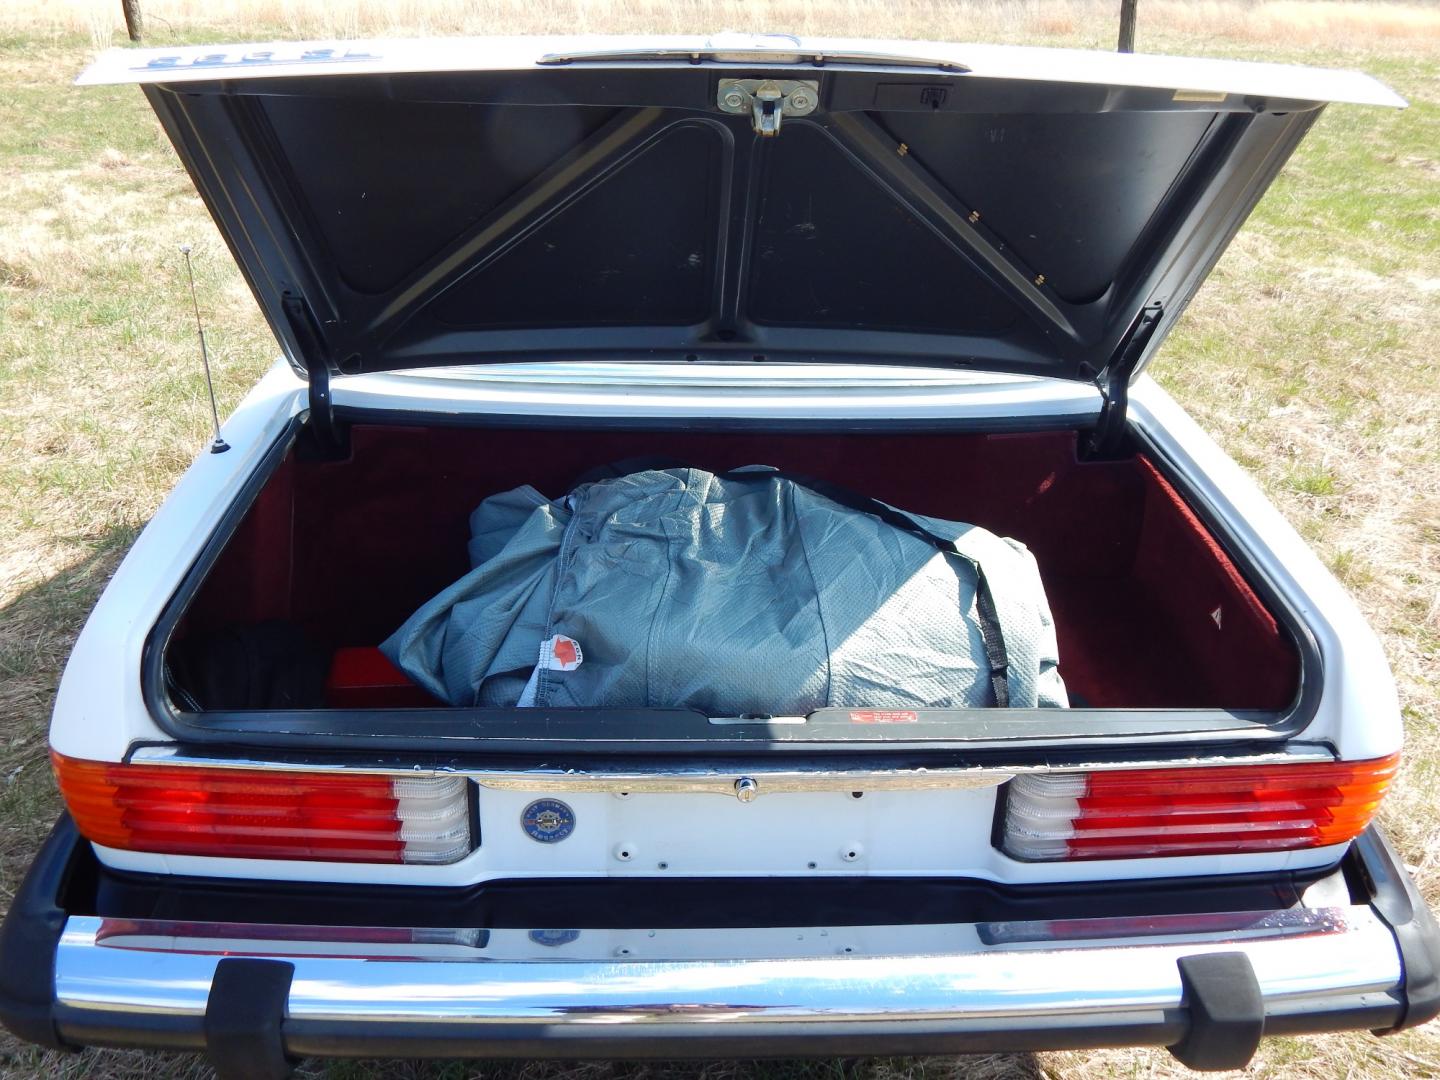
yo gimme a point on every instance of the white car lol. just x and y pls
(932, 273)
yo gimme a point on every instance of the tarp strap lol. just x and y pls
(985, 611)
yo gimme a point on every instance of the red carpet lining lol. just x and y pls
(1151, 612)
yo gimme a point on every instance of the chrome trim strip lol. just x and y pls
(771, 777)
(766, 781)
(786, 54)
(150, 966)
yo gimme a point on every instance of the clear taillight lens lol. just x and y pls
(1144, 813)
(259, 814)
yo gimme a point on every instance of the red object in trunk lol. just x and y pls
(362, 678)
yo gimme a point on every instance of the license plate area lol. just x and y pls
(935, 830)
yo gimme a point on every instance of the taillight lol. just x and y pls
(1142, 813)
(259, 814)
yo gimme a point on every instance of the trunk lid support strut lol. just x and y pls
(327, 438)
(1108, 437)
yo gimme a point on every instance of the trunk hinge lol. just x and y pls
(326, 437)
(1108, 438)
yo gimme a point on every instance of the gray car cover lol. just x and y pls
(748, 593)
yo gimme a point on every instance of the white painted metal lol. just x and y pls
(200, 63)
(715, 391)
(99, 711)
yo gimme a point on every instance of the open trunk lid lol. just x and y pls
(404, 204)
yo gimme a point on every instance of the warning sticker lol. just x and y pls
(559, 653)
(884, 716)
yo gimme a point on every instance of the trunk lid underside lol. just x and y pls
(406, 204)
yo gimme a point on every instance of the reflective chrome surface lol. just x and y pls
(769, 777)
(610, 977)
(752, 782)
(757, 51)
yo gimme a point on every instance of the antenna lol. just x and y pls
(219, 446)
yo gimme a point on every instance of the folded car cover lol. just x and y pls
(738, 594)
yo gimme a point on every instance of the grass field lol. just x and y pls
(1310, 354)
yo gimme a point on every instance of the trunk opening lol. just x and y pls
(1150, 610)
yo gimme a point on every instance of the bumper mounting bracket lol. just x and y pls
(1227, 1011)
(243, 1017)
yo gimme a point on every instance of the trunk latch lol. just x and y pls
(768, 100)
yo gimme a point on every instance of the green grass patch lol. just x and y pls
(1312, 480)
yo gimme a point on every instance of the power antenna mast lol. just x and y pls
(219, 446)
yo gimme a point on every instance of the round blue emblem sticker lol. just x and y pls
(548, 820)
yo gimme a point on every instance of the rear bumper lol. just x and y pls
(1205, 983)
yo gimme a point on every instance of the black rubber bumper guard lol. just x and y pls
(244, 1030)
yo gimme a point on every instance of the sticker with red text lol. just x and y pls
(884, 716)
(559, 653)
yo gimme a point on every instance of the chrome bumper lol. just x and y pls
(1011, 971)
(1207, 985)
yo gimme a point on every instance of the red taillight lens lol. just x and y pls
(1143, 813)
(255, 814)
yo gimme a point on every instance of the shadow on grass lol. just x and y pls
(37, 629)
(17, 1062)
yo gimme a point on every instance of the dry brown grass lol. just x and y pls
(1310, 354)
(1288, 23)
